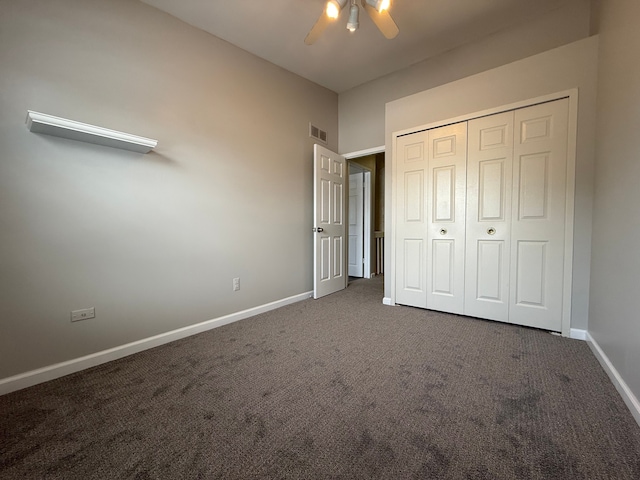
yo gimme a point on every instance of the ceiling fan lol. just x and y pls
(378, 10)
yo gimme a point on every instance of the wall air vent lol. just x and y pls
(315, 132)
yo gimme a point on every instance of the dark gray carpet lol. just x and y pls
(338, 388)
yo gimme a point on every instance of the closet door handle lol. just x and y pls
(491, 231)
(443, 231)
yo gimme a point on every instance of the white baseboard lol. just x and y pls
(622, 387)
(386, 301)
(33, 377)
(577, 334)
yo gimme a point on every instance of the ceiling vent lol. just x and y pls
(315, 132)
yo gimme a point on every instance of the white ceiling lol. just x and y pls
(339, 60)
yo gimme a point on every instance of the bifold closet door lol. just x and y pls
(480, 216)
(539, 206)
(489, 187)
(411, 219)
(430, 222)
(446, 205)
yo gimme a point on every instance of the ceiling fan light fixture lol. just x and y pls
(334, 7)
(353, 23)
(376, 9)
(380, 5)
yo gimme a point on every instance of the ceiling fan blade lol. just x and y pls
(317, 29)
(383, 21)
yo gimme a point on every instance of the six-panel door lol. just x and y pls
(446, 217)
(538, 226)
(330, 274)
(411, 220)
(489, 172)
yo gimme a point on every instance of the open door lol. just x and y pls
(329, 191)
(356, 225)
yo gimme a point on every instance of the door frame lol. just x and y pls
(572, 95)
(368, 204)
(368, 229)
(356, 170)
(366, 217)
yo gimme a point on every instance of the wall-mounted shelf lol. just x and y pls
(61, 127)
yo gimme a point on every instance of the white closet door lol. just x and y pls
(489, 171)
(446, 194)
(538, 217)
(411, 220)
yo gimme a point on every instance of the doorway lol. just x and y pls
(366, 213)
(359, 212)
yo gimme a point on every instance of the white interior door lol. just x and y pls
(538, 225)
(356, 224)
(489, 171)
(368, 223)
(411, 220)
(330, 171)
(446, 205)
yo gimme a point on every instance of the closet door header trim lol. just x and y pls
(572, 95)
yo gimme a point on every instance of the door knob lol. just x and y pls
(443, 231)
(491, 231)
(319, 229)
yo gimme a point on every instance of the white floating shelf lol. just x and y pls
(61, 127)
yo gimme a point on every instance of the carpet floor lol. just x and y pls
(337, 388)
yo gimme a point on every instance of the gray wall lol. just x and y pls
(560, 69)
(615, 304)
(151, 241)
(362, 108)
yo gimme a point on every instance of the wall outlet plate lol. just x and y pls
(83, 314)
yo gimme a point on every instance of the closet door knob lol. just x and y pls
(443, 231)
(491, 231)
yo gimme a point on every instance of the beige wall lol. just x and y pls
(615, 304)
(362, 108)
(560, 69)
(151, 241)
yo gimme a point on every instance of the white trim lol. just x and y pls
(578, 334)
(368, 232)
(363, 153)
(623, 389)
(387, 301)
(486, 112)
(61, 369)
(62, 127)
(569, 213)
(391, 168)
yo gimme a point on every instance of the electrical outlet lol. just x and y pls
(236, 284)
(84, 314)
